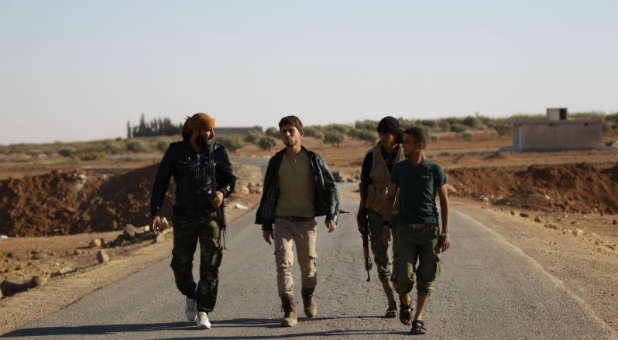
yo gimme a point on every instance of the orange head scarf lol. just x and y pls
(196, 122)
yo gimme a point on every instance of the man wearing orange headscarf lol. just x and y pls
(203, 175)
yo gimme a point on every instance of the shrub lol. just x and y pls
(273, 132)
(362, 134)
(503, 129)
(231, 142)
(366, 124)
(91, 155)
(458, 127)
(473, 122)
(34, 152)
(434, 138)
(266, 142)
(405, 123)
(67, 151)
(344, 129)
(253, 137)
(334, 137)
(112, 148)
(429, 123)
(444, 125)
(136, 146)
(466, 134)
(313, 131)
(162, 145)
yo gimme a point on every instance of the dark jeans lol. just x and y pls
(187, 231)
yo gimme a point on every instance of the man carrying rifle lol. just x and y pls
(203, 176)
(375, 179)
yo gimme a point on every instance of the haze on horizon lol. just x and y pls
(79, 70)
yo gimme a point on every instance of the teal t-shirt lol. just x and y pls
(418, 187)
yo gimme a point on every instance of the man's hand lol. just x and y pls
(332, 225)
(154, 227)
(217, 199)
(386, 234)
(268, 236)
(444, 242)
(361, 221)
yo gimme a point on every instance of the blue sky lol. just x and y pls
(79, 70)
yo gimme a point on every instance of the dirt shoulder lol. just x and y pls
(581, 255)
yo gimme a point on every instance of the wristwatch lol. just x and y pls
(444, 234)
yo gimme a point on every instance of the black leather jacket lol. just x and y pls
(192, 177)
(326, 199)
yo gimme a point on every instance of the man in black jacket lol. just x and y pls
(297, 187)
(203, 176)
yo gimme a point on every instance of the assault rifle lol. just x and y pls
(364, 223)
(213, 190)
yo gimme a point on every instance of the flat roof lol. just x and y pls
(557, 122)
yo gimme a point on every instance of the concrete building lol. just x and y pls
(222, 131)
(557, 133)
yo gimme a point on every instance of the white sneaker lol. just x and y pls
(202, 320)
(191, 309)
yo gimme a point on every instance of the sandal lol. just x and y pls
(391, 312)
(405, 315)
(418, 327)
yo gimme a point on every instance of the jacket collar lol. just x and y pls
(302, 147)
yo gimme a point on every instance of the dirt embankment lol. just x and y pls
(71, 202)
(74, 201)
(577, 188)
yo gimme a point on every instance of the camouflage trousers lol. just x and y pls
(187, 232)
(380, 251)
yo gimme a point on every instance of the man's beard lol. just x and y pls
(202, 144)
(289, 142)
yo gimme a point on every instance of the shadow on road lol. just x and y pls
(100, 329)
(171, 326)
(309, 335)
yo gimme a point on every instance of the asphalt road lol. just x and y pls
(487, 289)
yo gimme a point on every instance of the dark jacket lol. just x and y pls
(326, 199)
(192, 178)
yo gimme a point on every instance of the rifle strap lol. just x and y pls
(213, 181)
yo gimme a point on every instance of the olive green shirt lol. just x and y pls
(296, 187)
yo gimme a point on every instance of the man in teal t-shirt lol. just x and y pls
(417, 237)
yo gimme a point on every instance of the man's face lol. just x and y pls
(410, 146)
(202, 137)
(290, 136)
(387, 139)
